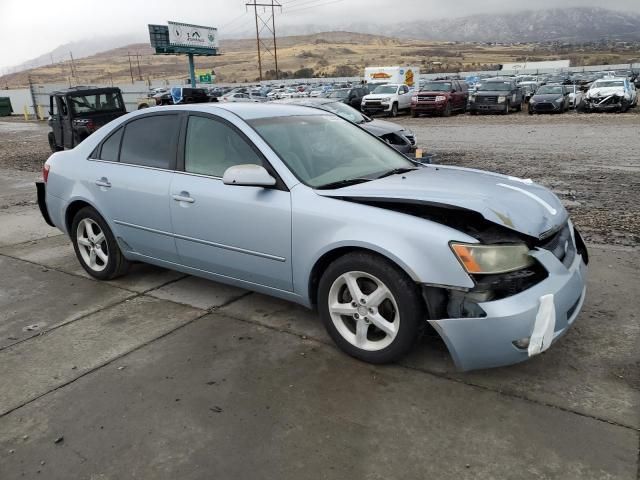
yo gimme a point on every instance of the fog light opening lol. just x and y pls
(522, 343)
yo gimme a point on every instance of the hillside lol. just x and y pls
(327, 54)
(560, 24)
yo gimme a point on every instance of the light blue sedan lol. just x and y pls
(300, 204)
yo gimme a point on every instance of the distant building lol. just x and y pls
(551, 64)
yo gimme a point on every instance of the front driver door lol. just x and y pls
(236, 232)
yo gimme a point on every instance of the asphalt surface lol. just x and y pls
(159, 375)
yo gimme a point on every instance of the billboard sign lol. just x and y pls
(185, 35)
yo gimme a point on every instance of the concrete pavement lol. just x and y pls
(160, 375)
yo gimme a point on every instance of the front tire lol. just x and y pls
(394, 110)
(371, 309)
(96, 247)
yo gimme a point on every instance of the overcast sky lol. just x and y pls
(29, 28)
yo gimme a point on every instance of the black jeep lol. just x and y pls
(77, 112)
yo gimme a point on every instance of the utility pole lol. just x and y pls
(74, 71)
(266, 22)
(130, 67)
(138, 60)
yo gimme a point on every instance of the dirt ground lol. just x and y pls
(592, 162)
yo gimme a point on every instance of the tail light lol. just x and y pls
(45, 172)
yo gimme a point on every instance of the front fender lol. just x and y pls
(420, 247)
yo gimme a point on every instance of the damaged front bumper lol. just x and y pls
(520, 326)
(605, 104)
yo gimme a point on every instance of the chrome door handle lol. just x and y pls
(183, 197)
(103, 182)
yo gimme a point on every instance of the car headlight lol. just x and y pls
(414, 98)
(532, 100)
(489, 259)
(558, 100)
(501, 99)
(440, 98)
(385, 99)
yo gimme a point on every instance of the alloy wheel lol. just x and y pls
(92, 245)
(364, 311)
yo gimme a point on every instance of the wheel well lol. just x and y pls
(72, 209)
(325, 260)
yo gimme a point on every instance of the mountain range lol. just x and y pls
(570, 25)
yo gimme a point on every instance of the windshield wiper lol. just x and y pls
(396, 171)
(343, 183)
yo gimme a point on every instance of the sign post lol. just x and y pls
(182, 38)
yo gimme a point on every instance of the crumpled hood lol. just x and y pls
(380, 127)
(605, 92)
(517, 204)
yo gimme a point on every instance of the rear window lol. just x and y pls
(151, 141)
(111, 147)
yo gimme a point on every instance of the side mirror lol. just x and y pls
(248, 175)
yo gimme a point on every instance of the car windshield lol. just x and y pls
(385, 89)
(345, 111)
(549, 90)
(96, 103)
(495, 86)
(609, 83)
(436, 87)
(339, 94)
(322, 150)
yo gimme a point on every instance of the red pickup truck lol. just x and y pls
(441, 97)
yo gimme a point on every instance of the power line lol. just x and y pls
(297, 9)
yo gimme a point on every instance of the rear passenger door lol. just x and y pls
(130, 180)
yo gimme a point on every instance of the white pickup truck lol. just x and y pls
(389, 98)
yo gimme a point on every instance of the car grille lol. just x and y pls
(426, 98)
(373, 103)
(544, 106)
(487, 99)
(561, 245)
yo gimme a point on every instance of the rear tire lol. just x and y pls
(384, 316)
(52, 143)
(96, 247)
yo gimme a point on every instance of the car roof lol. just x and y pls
(85, 90)
(249, 111)
(305, 101)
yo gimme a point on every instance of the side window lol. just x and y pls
(151, 141)
(111, 147)
(212, 146)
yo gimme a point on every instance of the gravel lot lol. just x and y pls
(592, 162)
